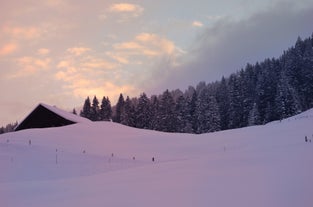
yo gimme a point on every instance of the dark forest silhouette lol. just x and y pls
(274, 89)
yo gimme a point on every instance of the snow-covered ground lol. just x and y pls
(107, 164)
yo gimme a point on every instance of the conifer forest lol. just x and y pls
(270, 90)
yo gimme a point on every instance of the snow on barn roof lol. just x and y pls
(44, 116)
(67, 115)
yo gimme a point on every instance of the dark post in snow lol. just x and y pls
(306, 139)
(56, 156)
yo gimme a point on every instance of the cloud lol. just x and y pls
(214, 18)
(197, 24)
(87, 62)
(135, 10)
(56, 4)
(82, 85)
(143, 52)
(35, 64)
(8, 48)
(64, 64)
(149, 45)
(43, 51)
(30, 66)
(102, 17)
(93, 62)
(162, 45)
(23, 32)
(77, 51)
(120, 58)
(107, 88)
(127, 46)
(227, 45)
(88, 75)
(122, 12)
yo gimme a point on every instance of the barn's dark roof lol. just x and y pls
(45, 116)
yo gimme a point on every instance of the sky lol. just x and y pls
(60, 51)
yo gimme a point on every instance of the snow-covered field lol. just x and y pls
(107, 164)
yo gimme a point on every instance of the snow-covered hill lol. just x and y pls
(107, 164)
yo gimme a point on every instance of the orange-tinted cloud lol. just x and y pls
(30, 66)
(19, 32)
(122, 12)
(8, 49)
(43, 51)
(136, 10)
(127, 46)
(197, 24)
(86, 75)
(120, 58)
(107, 88)
(162, 45)
(78, 82)
(92, 62)
(78, 50)
(149, 45)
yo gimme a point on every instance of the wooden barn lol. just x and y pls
(45, 116)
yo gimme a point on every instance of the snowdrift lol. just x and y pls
(107, 164)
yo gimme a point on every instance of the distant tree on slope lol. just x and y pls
(105, 112)
(86, 111)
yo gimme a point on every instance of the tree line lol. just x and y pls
(271, 90)
(8, 128)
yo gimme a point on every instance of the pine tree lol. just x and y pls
(181, 115)
(105, 113)
(235, 102)
(129, 113)
(306, 75)
(222, 98)
(143, 112)
(86, 111)
(266, 87)
(95, 110)
(166, 113)
(254, 117)
(155, 115)
(248, 82)
(202, 118)
(119, 109)
(214, 115)
(74, 111)
(287, 101)
(292, 63)
(192, 106)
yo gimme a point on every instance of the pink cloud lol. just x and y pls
(43, 51)
(125, 7)
(197, 24)
(30, 66)
(23, 32)
(77, 51)
(8, 49)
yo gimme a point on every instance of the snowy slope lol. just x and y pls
(268, 165)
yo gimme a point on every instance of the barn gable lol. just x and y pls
(45, 116)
